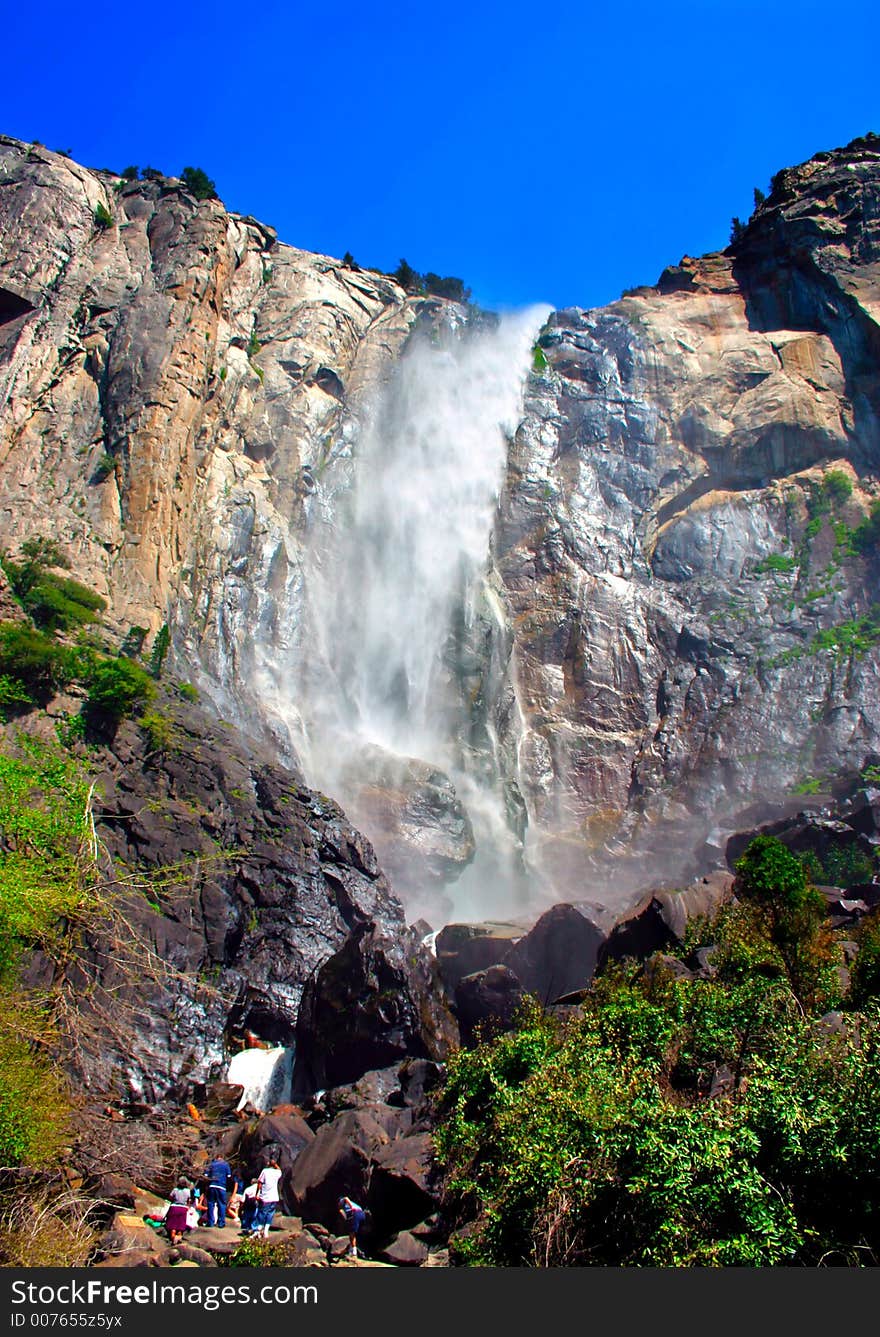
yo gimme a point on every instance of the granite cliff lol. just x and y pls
(674, 624)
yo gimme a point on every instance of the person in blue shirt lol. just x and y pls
(354, 1218)
(218, 1174)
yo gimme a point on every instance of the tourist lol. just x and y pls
(355, 1216)
(176, 1219)
(267, 1199)
(218, 1174)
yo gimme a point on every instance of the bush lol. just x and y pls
(592, 1140)
(539, 359)
(198, 183)
(866, 536)
(130, 173)
(791, 913)
(103, 216)
(159, 730)
(36, 663)
(837, 485)
(105, 466)
(115, 687)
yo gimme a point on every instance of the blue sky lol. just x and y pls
(542, 152)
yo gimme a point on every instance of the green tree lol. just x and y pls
(198, 183)
(773, 881)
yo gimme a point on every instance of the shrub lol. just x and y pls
(453, 289)
(160, 731)
(254, 345)
(866, 536)
(188, 691)
(759, 197)
(539, 359)
(773, 880)
(115, 687)
(776, 561)
(133, 643)
(130, 173)
(105, 466)
(837, 485)
(408, 278)
(35, 661)
(198, 183)
(103, 216)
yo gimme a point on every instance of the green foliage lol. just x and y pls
(130, 173)
(160, 731)
(133, 643)
(453, 289)
(837, 485)
(773, 881)
(254, 345)
(866, 536)
(46, 880)
(188, 691)
(737, 230)
(258, 1253)
(224, 372)
(105, 466)
(349, 261)
(759, 197)
(103, 216)
(539, 359)
(161, 646)
(36, 664)
(595, 1141)
(115, 688)
(776, 561)
(198, 183)
(865, 971)
(55, 602)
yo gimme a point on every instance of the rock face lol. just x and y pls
(264, 883)
(677, 577)
(674, 625)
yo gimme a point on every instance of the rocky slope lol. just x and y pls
(674, 623)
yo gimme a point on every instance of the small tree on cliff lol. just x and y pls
(789, 912)
(198, 183)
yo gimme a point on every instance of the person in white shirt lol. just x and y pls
(267, 1199)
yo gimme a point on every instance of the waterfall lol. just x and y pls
(265, 1074)
(397, 603)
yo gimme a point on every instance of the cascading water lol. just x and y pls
(397, 602)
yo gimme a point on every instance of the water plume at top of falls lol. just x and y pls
(394, 581)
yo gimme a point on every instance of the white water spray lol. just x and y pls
(395, 578)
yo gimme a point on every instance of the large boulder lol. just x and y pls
(404, 1184)
(336, 1163)
(487, 1002)
(280, 1136)
(463, 949)
(374, 1003)
(558, 954)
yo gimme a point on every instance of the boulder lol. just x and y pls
(558, 954)
(487, 1002)
(417, 1078)
(403, 1185)
(336, 1163)
(373, 1088)
(405, 1251)
(283, 1136)
(463, 949)
(372, 1004)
